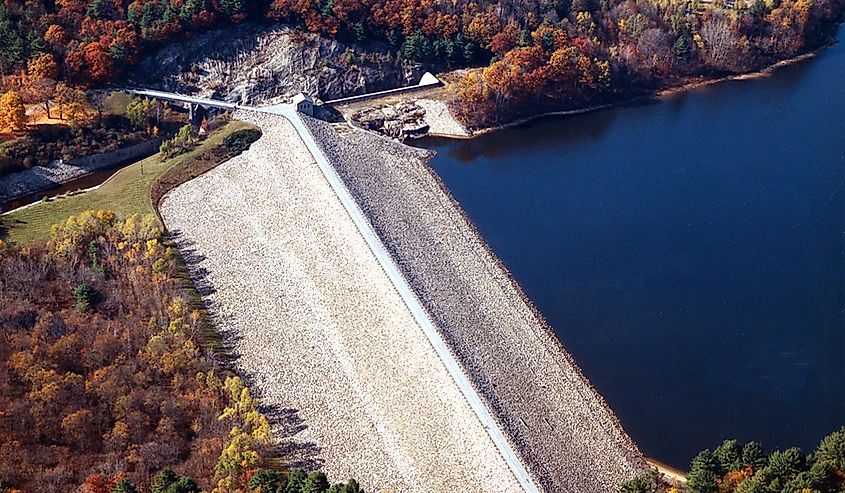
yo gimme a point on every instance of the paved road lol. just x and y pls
(386, 261)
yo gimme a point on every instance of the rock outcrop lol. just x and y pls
(252, 64)
(402, 120)
(411, 118)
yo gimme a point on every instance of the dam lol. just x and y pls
(348, 375)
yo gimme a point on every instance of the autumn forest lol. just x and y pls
(567, 53)
(108, 377)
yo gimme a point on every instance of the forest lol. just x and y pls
(108, 378)
(527, 55)
(733, 467)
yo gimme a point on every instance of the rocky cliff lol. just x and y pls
(253, 64)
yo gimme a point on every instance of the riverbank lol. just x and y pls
(126, 191)
(690, 85)
(40, 178)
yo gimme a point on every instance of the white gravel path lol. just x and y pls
(319, 329)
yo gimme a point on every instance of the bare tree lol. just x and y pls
(655, 48)
(720, 41)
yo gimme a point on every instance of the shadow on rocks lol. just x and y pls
(285, 422)
(300, 455)
(192, 260)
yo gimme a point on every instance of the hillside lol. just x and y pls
(561, 52)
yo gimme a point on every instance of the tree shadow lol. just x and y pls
(197, 277)
(285, 422)
(292, 453)
(299, 455)
(192, 260)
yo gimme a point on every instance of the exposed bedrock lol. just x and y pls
(253, 64)
(567, 436)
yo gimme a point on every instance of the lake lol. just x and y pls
(689, 252)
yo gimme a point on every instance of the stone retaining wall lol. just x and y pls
(39, 178)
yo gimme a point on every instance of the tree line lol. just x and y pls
(600, 51)
(536, 52)
(745, 468)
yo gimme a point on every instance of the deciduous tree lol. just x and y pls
(12, 111)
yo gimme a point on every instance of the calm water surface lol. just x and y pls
(690, 252)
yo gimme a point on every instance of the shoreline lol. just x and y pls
(662, 93)
(56, 197)
(430, 246)
(47, 180)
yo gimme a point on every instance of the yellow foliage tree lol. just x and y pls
(72, 102)
(239, 456)
(78, 230)
(12, 111)
(171, 351)
(250, 433)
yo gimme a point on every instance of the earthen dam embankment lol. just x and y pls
(343, 371)
(561, 427)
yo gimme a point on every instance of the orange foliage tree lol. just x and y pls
(12, 111)
(121, 382)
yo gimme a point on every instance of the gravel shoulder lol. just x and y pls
(440, 120)
(567, 436)
(345, 375)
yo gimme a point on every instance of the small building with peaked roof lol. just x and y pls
(304, 104)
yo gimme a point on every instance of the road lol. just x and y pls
(390, 268)
(170, 96)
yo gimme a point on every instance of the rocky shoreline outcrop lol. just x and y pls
(408, 119)
(402, 120)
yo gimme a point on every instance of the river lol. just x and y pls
(688, 251)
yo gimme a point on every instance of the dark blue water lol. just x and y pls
(689, 252)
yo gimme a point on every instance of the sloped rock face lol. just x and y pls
(349, 380)
(252, 64)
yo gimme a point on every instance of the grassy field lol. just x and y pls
(126, 192)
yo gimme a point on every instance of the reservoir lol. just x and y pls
(689, 252)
